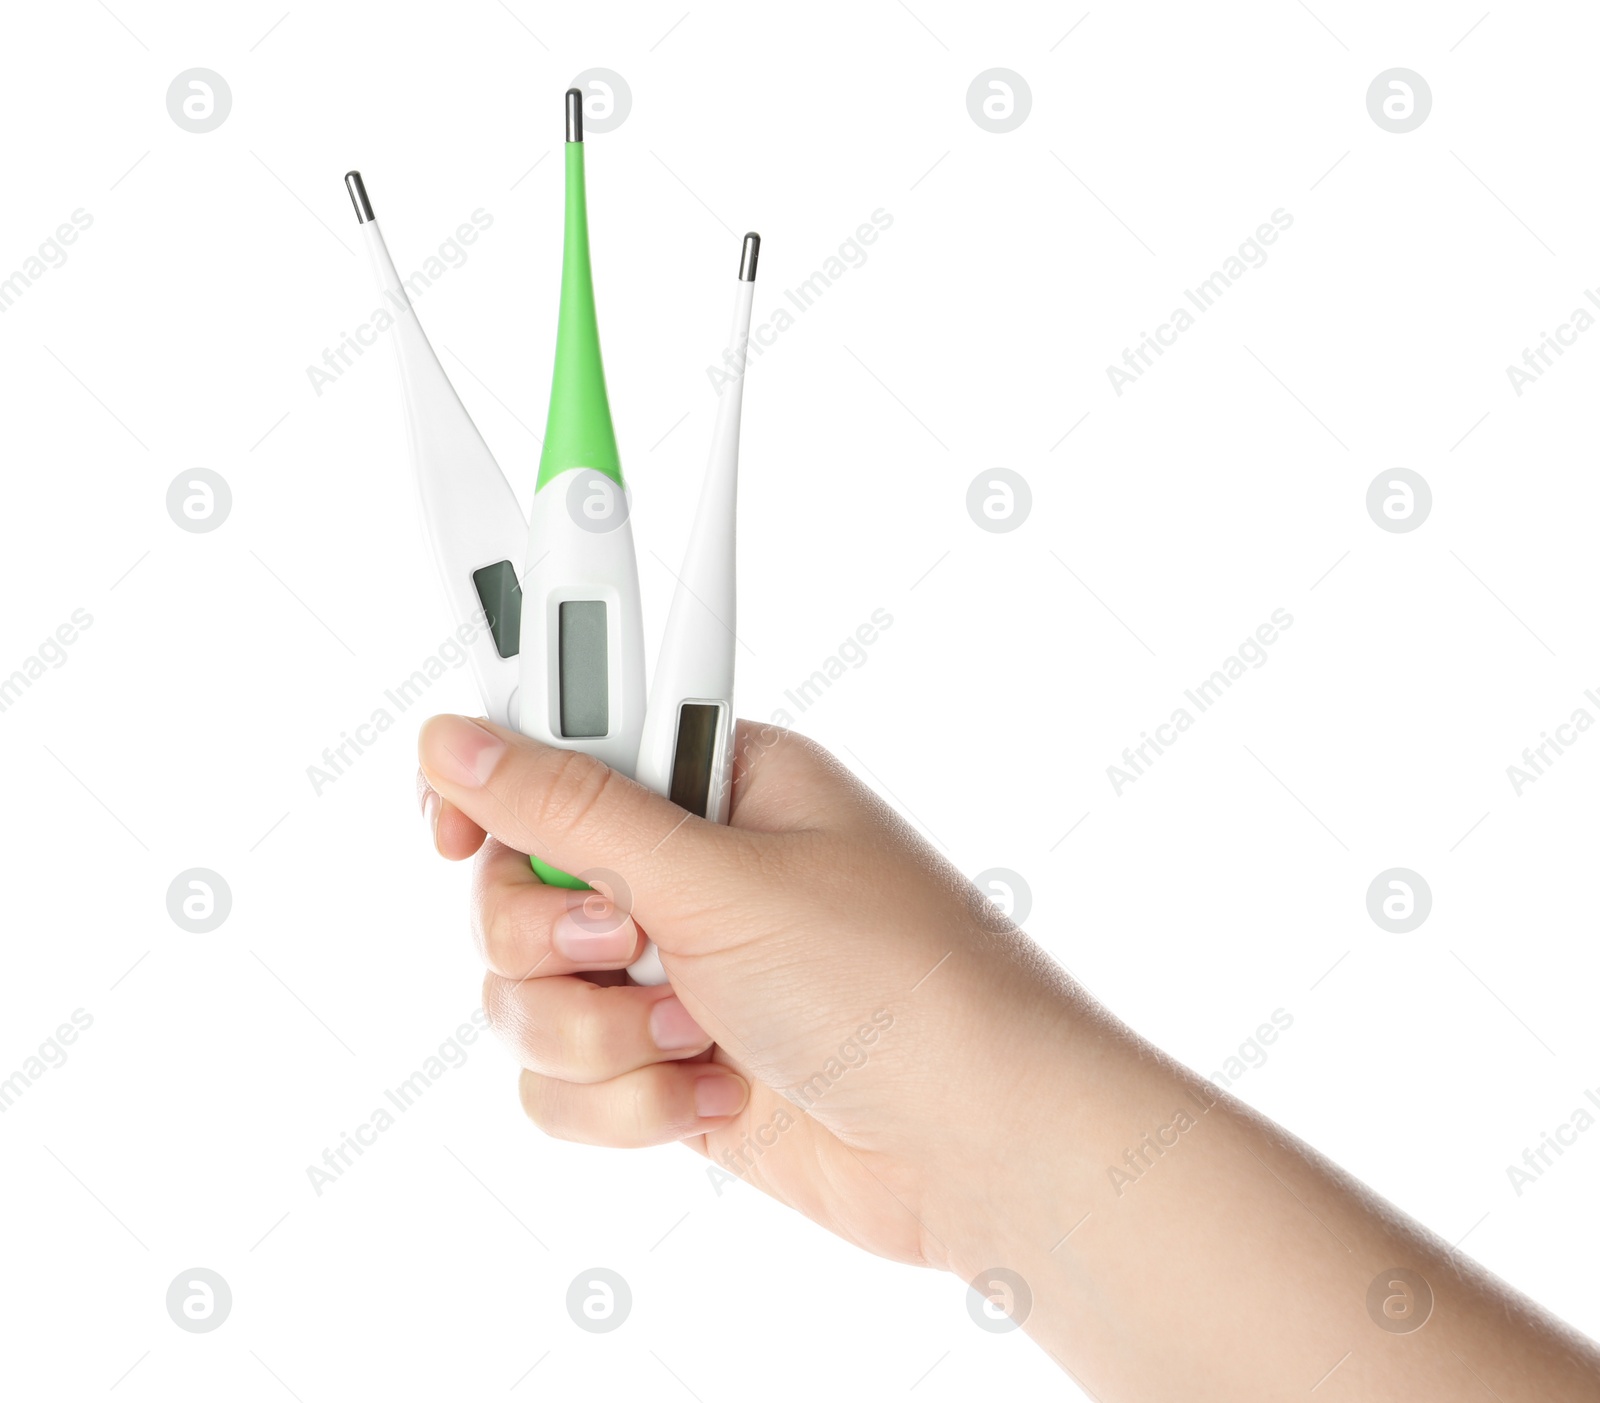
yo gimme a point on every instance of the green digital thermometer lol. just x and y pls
(582, 662)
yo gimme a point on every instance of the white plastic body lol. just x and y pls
(572, 556)
(469, 512)
(697, 650)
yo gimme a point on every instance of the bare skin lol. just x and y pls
(853, 1029)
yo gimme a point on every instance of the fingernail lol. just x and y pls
(720, 1094)
(431, 804)
(673, 1029)
(461, 751)
(594, 932)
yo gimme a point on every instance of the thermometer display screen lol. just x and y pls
(583, 663)
(694, 755)
(500, 593)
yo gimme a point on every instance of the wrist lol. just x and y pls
(1021, 1161)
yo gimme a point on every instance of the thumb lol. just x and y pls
(576, 813)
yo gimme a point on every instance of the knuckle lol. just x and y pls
(486, 907)
(510, 916)
(502, 1002)
(535, 1042)
(574, 1041)
(583, 1040)
(532, 1102)
(566, 800)
(494, 1000)
(541, 1101)
(490, 921)
(509, 934)
(636, 1111)
(644, 1108)
(776, 861)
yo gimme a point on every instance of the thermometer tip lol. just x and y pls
(358, 196)
(574, 114)
(748, 256)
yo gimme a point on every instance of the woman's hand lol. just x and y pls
(846, 1016)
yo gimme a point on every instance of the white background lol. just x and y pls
(1230, 481)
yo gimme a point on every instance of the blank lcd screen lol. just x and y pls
(500, 593)
(693, 756)
(585, 682)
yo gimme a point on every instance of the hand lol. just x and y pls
(853, 1029)
(845, 1010)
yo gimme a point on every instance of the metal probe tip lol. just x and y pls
(748, 256)
(358, 197)
(574, 114)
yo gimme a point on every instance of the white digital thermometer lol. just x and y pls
(474, 526)
(686, 751)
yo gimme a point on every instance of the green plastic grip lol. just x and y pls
(555, 877)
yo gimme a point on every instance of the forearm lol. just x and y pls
(1177, 1244)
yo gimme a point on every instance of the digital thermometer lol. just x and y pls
(686, 750)
(583, 683)
(474, 525)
